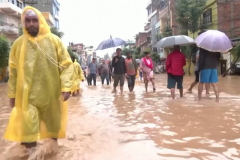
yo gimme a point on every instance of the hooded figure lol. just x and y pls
(78, 76)
(40, 80)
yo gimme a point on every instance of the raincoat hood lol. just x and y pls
(44, 28)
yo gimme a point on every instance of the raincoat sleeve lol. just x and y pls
(67, 71)
(81, 73)
(12, 82)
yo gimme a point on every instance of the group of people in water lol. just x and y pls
(121, 68)
(127, 68)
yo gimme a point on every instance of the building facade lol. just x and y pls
(143, 40)
(153, 21)
(10, 18)
(51, 6)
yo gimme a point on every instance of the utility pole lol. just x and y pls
(168, 14)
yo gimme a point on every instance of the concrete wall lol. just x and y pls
(228, 18)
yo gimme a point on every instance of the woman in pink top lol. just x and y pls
(147, 67)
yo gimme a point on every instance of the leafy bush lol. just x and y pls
(4, 51)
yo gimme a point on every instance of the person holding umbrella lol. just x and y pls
(207, 85)
(211, 43)
(174, 66)
(208, 64)
(118, 63)
(146, 66)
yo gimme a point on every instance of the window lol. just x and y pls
(12, 1)
(207, 16)
(19, 4)
(149, 10)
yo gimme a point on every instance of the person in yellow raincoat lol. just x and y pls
(40, 81)
(137, 76)
(78, 76)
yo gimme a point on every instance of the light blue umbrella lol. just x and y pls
(111, 43)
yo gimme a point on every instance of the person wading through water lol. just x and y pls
(146, 66)
(118, 64)
(131, 71)
(207, 85)
(78, 77)
(40, 81)
(174, 66)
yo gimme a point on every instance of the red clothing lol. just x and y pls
(175, 62)
(130, 69)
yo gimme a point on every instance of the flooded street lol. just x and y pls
(147, 126)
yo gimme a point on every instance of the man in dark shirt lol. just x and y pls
(118, 63)
(208, 64)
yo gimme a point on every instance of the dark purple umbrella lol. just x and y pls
(111, 43)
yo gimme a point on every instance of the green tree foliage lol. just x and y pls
(54, 30)
(137, 53)
(189, 13)
(20, 31)
(72, 54)
(4, 51)
(236, 54)
(236, 50)
(167, 31)
(125, 51)
(155, 56)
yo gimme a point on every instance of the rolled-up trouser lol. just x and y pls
(117, 78)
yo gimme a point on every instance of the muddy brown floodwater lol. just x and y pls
(147, 126)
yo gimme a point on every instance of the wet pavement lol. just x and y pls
(147, 126)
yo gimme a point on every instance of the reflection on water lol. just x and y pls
(141, 126)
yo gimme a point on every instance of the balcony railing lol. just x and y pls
(10, 8)
(147, 27)
(163, 12)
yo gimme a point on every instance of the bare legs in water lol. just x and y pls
(146, 84)
(207, 87)
(173, 93)
(215, 88)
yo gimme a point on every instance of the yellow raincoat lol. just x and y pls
(36, 84)
(78, 76)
